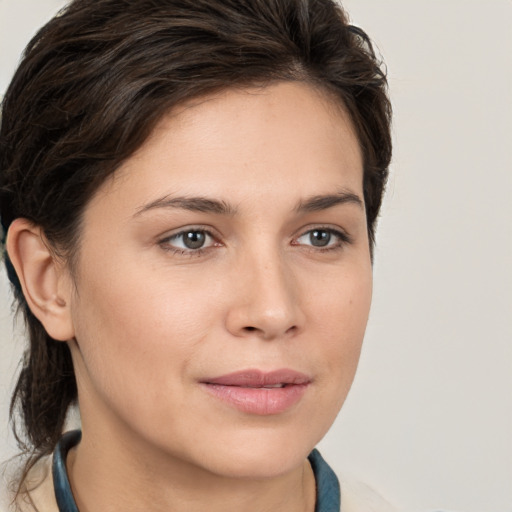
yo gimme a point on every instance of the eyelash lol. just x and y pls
(343, 239)
(165, 243)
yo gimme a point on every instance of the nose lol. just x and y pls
(266, 302)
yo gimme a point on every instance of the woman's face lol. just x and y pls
(224, 282)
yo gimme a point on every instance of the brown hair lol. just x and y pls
(94, 82)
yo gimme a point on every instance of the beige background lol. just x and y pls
(429, 420)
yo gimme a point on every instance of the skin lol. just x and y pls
(149, 318)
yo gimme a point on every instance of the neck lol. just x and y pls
(119, 473)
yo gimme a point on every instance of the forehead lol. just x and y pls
(247, 141)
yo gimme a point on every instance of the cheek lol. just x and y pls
(133, 303)
(132, 324)
(339, 302)
(339, 315)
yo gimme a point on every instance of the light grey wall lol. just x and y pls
(429, 420)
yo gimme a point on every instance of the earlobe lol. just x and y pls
(44, 281)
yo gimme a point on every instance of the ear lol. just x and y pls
(44, 279)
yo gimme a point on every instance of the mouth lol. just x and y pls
(258, 392)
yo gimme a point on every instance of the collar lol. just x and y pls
(328, 496)
(63, 494)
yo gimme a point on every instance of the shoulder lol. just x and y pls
(346, 494)
(357, 496)
(37, 495)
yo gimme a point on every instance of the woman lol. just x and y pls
(189, 191)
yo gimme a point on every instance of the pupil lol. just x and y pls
(320, 238)
(194, 239)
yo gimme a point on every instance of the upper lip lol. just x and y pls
(254, 378)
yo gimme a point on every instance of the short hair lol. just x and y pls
(90, 89)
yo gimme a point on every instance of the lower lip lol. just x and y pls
(262, 401)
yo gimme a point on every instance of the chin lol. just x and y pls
(259, 456)
(260, 466)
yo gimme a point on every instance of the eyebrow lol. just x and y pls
(195, 204)
(324, 202)
(207, 205)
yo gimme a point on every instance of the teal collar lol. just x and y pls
(63, 494)
(328, 496)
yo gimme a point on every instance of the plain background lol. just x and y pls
(429, 419)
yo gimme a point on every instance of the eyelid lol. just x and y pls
(165, 240)
(343, 237)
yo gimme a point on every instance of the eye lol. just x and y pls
(319, 237)
(323, 238)
(189, 240)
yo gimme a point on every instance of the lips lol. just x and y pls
(258, 392)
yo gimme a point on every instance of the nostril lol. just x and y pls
(250, 328)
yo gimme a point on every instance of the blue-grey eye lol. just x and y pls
(193, 239)
(320, 237)
(323, 238)
(189, 240)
